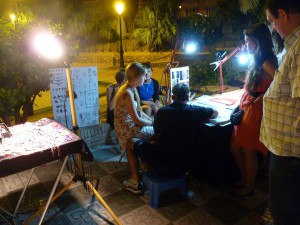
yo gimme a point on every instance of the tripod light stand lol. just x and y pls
(54, 50)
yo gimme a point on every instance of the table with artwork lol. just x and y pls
(223, 103)
(214, 160)
(26, 146)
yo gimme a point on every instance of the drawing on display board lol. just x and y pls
(180, 75)
(86, 97)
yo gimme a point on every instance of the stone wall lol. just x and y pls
(98, 135)
(157, 58)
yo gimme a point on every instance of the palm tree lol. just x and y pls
(247, 5)
(256, 7)
(157, 26)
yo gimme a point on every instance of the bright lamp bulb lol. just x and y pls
(120, 8)
(47, 46)
(191, 47)
(243, 59)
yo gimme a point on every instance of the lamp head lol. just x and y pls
(12, 17)
(120, 7)
(243, 58)
(191, 47)
(48, 46)
(220, 53)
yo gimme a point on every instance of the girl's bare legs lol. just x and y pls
(132, 159)
(147, 110)
(250, 171)
(238, 156)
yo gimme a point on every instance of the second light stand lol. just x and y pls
(220, 62)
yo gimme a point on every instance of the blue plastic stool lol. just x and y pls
(157, 183)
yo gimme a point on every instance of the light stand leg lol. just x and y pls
(74, 118)
(103, 203)
(221, 79)
(78, 156)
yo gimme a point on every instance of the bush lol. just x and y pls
(203, 74)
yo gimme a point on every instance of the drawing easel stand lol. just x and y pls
(166, 73)
(78, 166)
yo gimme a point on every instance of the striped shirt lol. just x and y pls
(280, 127)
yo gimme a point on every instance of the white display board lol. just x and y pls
(86, 96)
(180, 75)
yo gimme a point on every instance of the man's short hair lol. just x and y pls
(181, 92)
(148, 65)
(290, 6)
(120, 75)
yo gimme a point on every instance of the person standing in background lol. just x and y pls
(111, 93)
(280, 127)
(245, 142)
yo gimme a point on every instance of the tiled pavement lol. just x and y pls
(207, 204)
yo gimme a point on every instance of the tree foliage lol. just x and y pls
(255, 7)
(90, 26)
(23, 73)
(157, 26)
(202, 72)
(248, 5)
(201, 29)
(232, 21)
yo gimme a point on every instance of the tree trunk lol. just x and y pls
(27, 109)
(6, 120)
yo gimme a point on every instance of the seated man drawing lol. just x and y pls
(175, 135)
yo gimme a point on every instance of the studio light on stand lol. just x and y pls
(191, 47)
(50, 48)
(243, 58)
(221, 61)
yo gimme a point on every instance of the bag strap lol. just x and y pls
(253, 102)
(258, 97)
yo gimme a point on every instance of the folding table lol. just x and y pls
(36, 143)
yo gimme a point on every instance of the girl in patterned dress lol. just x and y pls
(130, 120)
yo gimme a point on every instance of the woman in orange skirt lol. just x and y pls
(245, 137)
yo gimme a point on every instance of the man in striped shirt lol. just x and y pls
(280, 128)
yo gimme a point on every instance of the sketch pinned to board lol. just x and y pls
(180, 75)
(86, 97)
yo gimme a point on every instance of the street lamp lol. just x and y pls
(13, 18)
(120, 9)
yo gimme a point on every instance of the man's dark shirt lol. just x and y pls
(176, 126)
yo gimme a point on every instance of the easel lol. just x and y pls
(81, 176)
(166, 73)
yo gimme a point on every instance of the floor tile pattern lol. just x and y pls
(206, 204)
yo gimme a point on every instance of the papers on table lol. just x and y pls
(223, 103)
